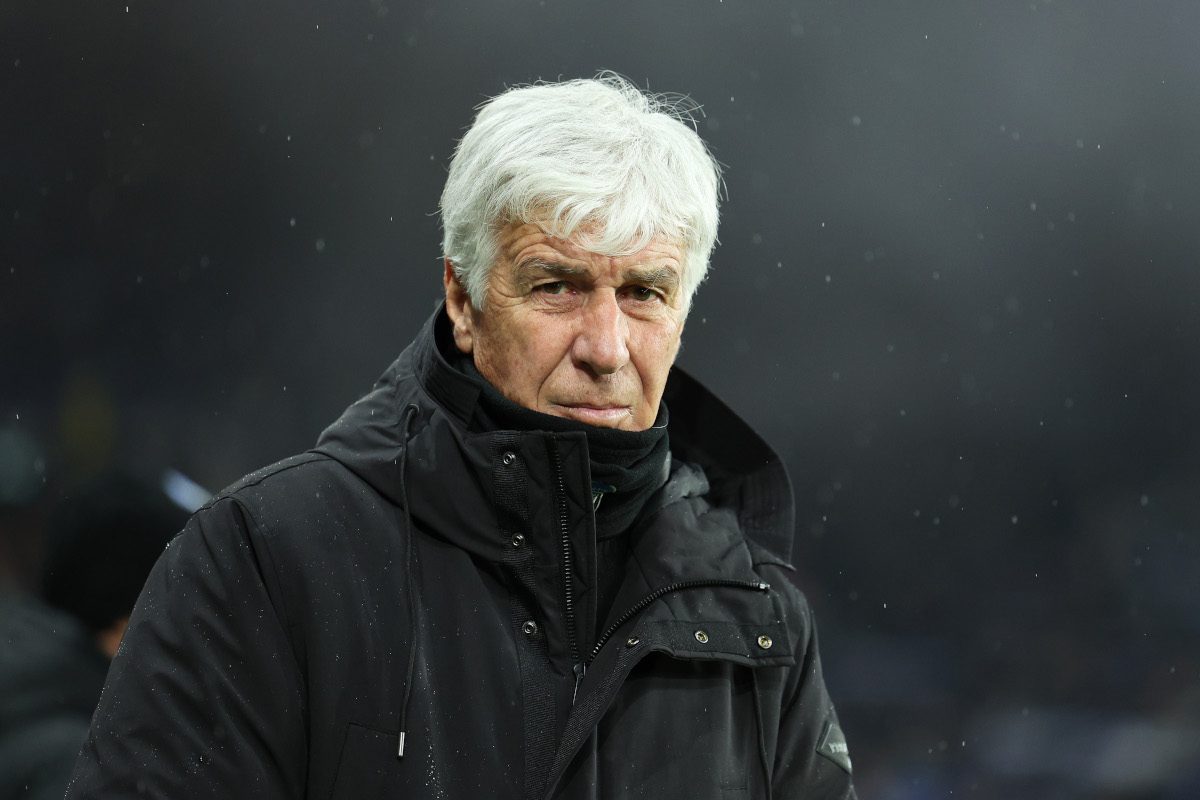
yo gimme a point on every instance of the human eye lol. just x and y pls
(551, 287)
(643, 294)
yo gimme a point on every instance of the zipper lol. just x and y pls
(581, 665)
(639, 606)
(565, 538)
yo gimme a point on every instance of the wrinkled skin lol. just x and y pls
(573, 333)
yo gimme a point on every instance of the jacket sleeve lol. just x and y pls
(812, 759)
(205, 696)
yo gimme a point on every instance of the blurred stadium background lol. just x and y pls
(957, 288)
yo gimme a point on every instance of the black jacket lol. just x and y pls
(407, 575)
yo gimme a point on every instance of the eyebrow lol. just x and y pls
(662, 277)
(535, 267)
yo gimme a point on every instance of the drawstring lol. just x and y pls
(762, 738)
(411, 411)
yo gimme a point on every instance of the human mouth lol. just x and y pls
(598, 415)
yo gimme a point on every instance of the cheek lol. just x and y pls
(523, 361)
(493, 355)
(658, 352)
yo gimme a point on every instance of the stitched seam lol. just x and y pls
(281, 612)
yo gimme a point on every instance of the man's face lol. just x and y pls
(571, 333)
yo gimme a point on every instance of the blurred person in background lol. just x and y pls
(55, 651)
(505, 572)
(23, 509)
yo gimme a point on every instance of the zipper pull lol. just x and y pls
(580, 671)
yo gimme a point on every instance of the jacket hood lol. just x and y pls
(743, 473)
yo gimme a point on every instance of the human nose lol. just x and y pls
(602, 343)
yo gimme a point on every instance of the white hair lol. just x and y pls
(597, 162)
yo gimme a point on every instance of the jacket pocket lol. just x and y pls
(681, 729)
(368, 766)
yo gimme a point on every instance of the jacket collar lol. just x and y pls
(738, 468)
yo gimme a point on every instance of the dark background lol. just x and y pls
(957, 288)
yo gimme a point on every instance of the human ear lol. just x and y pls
(458, 307)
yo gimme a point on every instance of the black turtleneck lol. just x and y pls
(627, 467)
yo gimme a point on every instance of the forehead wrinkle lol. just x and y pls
(662, 276)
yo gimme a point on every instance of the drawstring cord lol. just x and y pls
(409, 413)
(762, 738)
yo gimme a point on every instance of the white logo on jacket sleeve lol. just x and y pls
(833, 746)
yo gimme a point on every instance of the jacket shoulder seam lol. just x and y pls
(258, 476)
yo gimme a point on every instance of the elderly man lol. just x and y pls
(504, 573)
